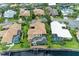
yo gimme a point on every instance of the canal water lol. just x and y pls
(41, 53)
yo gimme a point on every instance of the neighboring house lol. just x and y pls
(59, 31)
(74, 24)
(24, 12)
(52, 11)
(9, 13)
(66, 11)
(13, 5)
(39, 12)
(12, 35)
(2, 5)
(77, 35)
(6, 24)
(38, 5)
(36, 33)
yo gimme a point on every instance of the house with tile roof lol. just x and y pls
(24, 12)
(38, 12)
(37, 32)
(12, 35)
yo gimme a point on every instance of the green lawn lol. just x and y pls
(0, 47)
(68, 44)
(71, 44)
(74, 43)
(16, 46)
(56, 46)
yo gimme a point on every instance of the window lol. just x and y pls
(63, 27)
(32, 27)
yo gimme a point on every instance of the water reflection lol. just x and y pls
(42, 53)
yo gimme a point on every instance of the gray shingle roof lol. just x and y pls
(74, 24)
(52, 11)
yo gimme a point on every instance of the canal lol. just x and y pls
(42, 53)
